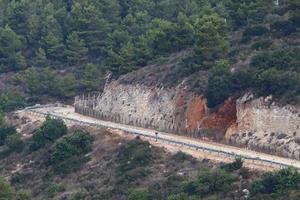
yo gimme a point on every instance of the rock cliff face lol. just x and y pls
(262, 124)
(165, 109)
(256, 123)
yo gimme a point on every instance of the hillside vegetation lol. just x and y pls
(87, 164)
(59, 48)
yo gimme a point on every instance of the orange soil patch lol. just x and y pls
(223, 118)
(196, 112)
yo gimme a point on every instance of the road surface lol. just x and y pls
(211, 148)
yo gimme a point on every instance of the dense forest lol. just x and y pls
(59, 48)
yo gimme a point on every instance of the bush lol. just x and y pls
(133, 158)
(277, 183)
(219, 86)
(6, 191)
(210, 182)
(282, 84)
(2, 117)
(68, 154)
(14, 143)
(236, 165)
(23, 195)
(10, 101)
(262, 44)
(6, 131)
(181, 196)
(283, 28)
(139, 194)
(253, 31)
(54, 189)
(281, 59)
(49, 132)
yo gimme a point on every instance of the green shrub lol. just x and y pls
(283, 28)
(14, 143)
(282, 84)
(68, 153)
(181, 196)
(10, 101)
(6, 131)
(277, 183)
(49, 132)
(54, 189)
(6, 191)
(133, 159)
(139, 194)
(236, 165)
(2, 117)
(257, 30)
(280, 59)
(262, 44)
(210, 182)
(23, 195)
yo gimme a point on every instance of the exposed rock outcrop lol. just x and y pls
(256, 123)
(167, 109)
(262, 124)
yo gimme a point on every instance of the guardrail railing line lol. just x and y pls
(194, 146)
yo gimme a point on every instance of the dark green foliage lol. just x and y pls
(68, 153)
(181, 196)
(54, 188)
(236, 165)
(2, 118)
(262, 44)
(222, 83)
(281, 59)
(11, 58)
(82, 40)
(139, 194)
(76, 51)
(257, 30)
(211, 37)
(41, 82)
(277, 183)
(91, 77)
(23, 195)
(282, 84)
(6, 191)
(207, 183)
(10, 101)
(5, 132)
(68, 86)
(283, 28)
(14, 143)
(49, 132)
(133, 159)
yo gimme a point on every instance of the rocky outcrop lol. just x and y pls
(264, 125)
(174, 109)
(256, 123)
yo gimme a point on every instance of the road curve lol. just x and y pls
(68, 114)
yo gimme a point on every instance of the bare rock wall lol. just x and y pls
(262, 124)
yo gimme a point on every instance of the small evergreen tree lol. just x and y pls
(40, 58)
(76, 51)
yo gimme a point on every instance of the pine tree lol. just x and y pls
(68, 86)
(54, 48)
(91, 26)
(211, 37)
(11, 57)
(76, 51)
(91, 77)
(40, 58)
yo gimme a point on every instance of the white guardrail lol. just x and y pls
(169, 141)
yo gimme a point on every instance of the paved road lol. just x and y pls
(219, 149)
